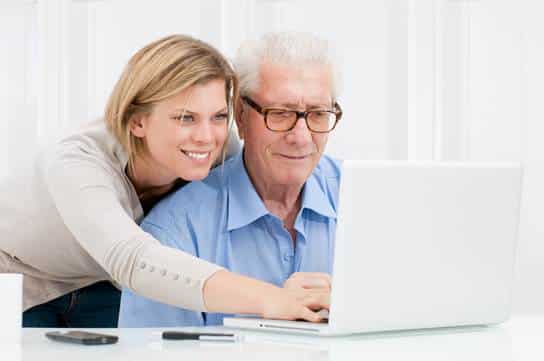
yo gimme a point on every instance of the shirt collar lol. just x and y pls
(245, 205)
(315, 198)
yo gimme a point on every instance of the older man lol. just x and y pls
(275, 203)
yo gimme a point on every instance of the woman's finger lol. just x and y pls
(309, 315)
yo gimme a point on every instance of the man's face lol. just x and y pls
(285, 158)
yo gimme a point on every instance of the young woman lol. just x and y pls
(70, 224)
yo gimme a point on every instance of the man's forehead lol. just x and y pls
(294, 99)
(287, 84)
(295, 96)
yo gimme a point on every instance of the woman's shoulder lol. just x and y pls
(88, 157)
(89, 143)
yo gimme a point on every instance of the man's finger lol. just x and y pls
(318, 300)
(315, 283)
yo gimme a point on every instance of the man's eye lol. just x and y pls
(282, 114)
(320, 114)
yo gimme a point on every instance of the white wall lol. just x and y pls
(423, 79)
(17, 76)
(530, 270)
(501, 118)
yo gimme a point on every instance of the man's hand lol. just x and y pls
(309, 280)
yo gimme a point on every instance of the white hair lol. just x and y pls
(290, 48)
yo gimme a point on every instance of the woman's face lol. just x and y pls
(185, 133)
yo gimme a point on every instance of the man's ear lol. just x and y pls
(137, 124)
(240, 116)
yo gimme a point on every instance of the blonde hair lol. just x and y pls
(158, 71)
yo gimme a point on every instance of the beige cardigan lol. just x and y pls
(72, 220)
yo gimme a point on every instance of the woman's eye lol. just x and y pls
(221, 117)
(184, 118)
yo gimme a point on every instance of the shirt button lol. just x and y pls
(175, 277)
(286, 257)
(187, 280)
(151, 269)
(163, 272)
(142, 265)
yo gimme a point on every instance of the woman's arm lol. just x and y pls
(227, 292)
(88, 196)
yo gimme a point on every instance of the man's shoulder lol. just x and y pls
(191, 217)
(193, 198)
(205, 190)
(326, 176)
(328, 167)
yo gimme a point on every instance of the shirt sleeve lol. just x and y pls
(138, 311)
(84, 192)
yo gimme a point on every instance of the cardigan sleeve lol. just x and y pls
(88, 196)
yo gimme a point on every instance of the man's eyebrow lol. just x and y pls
(295, 106)
(289, 105)
(320, 106)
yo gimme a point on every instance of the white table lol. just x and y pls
(520, 339)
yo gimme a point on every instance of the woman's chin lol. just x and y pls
(194, 175)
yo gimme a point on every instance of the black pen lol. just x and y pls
(198, 336)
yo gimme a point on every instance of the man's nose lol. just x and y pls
(300, 132)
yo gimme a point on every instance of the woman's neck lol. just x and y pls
(148, 180)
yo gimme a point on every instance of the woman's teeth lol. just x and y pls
(197, 155)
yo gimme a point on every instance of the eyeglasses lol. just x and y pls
(283, 120)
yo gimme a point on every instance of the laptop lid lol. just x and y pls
(424, 244)
(419, 245)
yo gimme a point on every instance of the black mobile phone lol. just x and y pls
(82, 337)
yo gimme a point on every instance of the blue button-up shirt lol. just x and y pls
(223, 220)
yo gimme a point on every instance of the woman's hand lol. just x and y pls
(227, 292)
(311, 292)
(296, 303)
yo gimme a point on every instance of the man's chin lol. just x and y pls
(292, 178)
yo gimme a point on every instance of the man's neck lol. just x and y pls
(284, 206)
(283, 201)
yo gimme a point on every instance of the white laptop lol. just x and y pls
(418, 245)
